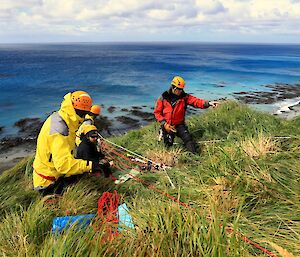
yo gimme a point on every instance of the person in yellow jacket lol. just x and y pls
(89, 120)
(54, 164)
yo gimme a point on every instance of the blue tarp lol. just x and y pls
(125, 220)
(63, 223)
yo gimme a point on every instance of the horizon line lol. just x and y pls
(149, 42)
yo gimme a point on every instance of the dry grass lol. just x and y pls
(260, 146)
(283, 252)
(166, 156)
(221, 197)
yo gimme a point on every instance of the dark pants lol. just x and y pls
(184, 134)
(60, 185)
(106, 169)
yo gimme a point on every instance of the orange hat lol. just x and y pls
(178, 82)
(96, 109)
(81, 100)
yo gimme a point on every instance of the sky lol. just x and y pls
(252, 21)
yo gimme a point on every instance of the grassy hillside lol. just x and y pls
(244, 179)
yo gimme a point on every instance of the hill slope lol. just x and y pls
(246, 179)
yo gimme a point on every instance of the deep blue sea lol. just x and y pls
(35, 77)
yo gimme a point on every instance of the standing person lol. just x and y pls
(88, 120)
(170, 113)
(54, 165)
(87, 150)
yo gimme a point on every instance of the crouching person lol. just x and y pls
(88, 120)
(54, 166)
(170, 112)
(87, 149)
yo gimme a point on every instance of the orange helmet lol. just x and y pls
(96, 109)
(178, 82)
(81, 100)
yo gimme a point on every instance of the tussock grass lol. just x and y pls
(248, 182)
(169, 157)
(259, 146)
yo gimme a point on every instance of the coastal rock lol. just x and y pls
(126, 120)
(111, 109)
(10, 142)
(124, 110)
(241, 93)
(29, 126)
(1, 129)
(136, 107)
(103, 123)
(279, 92)
(143, 115)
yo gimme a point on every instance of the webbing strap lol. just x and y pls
(45, 177)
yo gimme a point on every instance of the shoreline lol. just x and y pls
(283, 97)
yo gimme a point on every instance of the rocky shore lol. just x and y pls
(274, 93)
(14, 148)
(286, 97)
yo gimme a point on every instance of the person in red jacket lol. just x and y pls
(170, 113)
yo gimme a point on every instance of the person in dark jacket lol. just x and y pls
(87, 149)
(170, 113)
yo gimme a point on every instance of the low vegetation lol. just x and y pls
(244, 182)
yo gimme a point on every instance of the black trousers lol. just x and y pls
(105, 167)
(184, 134)
(60, 185)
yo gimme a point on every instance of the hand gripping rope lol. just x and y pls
(116, 152)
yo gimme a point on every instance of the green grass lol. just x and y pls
(249, 182)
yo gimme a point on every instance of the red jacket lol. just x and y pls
(175, 115)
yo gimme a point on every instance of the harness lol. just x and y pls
(45, 177)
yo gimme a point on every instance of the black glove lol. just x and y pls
(106, 169)
(96, 167)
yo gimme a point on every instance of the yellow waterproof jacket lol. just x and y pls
(55, 145)
(88, 120)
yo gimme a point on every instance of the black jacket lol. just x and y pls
(88, 151)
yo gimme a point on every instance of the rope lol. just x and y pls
(123, 156)
(154, 188)
(248, 241)
(131, 152)
(224, 139)
(243, 238)
(107, 212)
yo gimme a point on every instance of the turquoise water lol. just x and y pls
(34, 78)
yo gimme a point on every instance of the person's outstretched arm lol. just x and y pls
(200, 103)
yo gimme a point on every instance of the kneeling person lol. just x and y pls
(54, 165)
(87, 149)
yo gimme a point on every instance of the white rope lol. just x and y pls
(146, 160)
(222, 140)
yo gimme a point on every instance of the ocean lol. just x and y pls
(35, 77)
